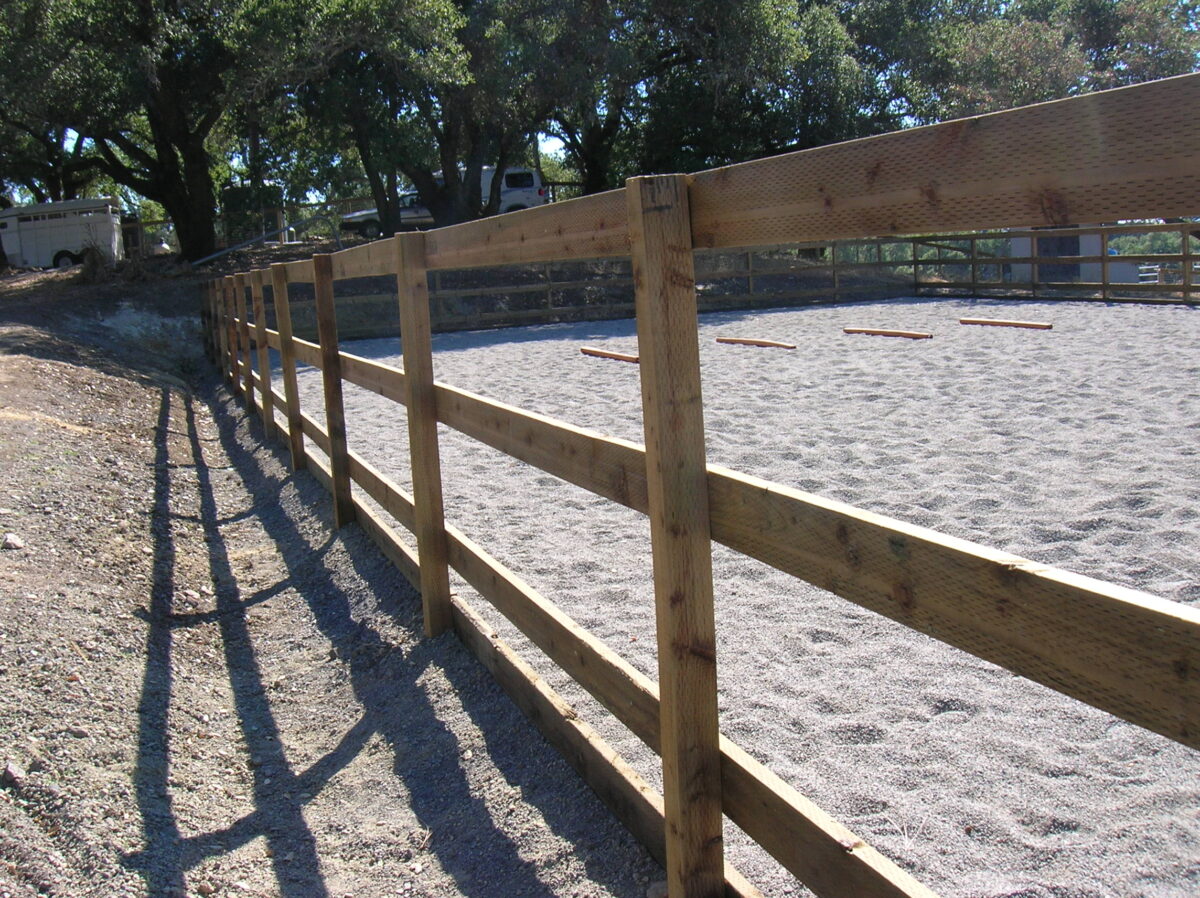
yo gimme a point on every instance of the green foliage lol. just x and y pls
(173, 101)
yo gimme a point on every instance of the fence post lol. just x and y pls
(231, 335)
(412, 289)
(1185, 248)
(239, 295)
(264, 352)
(287, 356)
(331, 377)
(1105, 290)
(676, 475)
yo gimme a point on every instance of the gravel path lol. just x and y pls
(208, 691)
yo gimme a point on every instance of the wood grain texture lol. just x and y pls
(416, 343)
(591, 227)
(820, 541)
(287, 355)
(220, 325)
(314, 432)
(820, 852)
(245, 353)
(331, 378)
(1129, 653)
(264, 351)
(607, 354)
(746, 341)
(1101, 157)
(386, 380)
(307, 352)
(383, 490)
(1002, 322)
(299, 272)
(232, 340)
(672, 412)
(625, 793)
(609, 467)
(372, 259)
(885, 332)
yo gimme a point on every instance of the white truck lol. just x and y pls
(56, 235)
(522, 189)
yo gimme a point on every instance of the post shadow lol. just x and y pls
(278, 816)
(480, 857)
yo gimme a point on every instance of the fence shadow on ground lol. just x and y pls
(471, 848)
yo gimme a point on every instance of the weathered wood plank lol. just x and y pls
(287, 354)
(799, 533)
(421, 400)
(307, 352)
(386, 380)
(747, 341)
(373, 259)
(331, 377)
(613, 468)
(608, 354)
(627, 795)
(885, 332)
(823, 854)
(591, 227)
(672, 411)
(383, 490)
(1003, 322)
(314, 432)
(1129, 150)
(233, 369)
(299, 272)
(264, 351)
(1129, 653)
(239, 299)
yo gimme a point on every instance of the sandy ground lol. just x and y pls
(1078, 447)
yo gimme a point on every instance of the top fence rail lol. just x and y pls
(1100, 158)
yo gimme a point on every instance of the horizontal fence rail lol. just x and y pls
(1086, 262)
(1131, 654)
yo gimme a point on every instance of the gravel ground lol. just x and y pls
(209, 691)
(1075, 447)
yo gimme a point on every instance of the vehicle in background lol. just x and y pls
(522, 189)
(56, 235)
(413, 217)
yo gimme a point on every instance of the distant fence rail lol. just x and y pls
(1131, 654)
(1078, 263)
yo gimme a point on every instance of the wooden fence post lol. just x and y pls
(1105, 289)
(676, 474)
(331, 377)
(1185, 247)
(239, 295)
(412, 288)
(231, 334)
(264, 352)
(287, 362)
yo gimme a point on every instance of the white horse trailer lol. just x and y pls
(55, 235)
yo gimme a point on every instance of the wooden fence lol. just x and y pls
(1117, 155)
(1072, 263)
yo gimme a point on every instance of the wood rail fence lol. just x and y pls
(1073, 263)
(1121, 154)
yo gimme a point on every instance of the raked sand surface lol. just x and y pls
(1077, 447)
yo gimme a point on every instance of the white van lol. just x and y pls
(55, 235)
(522, 189)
